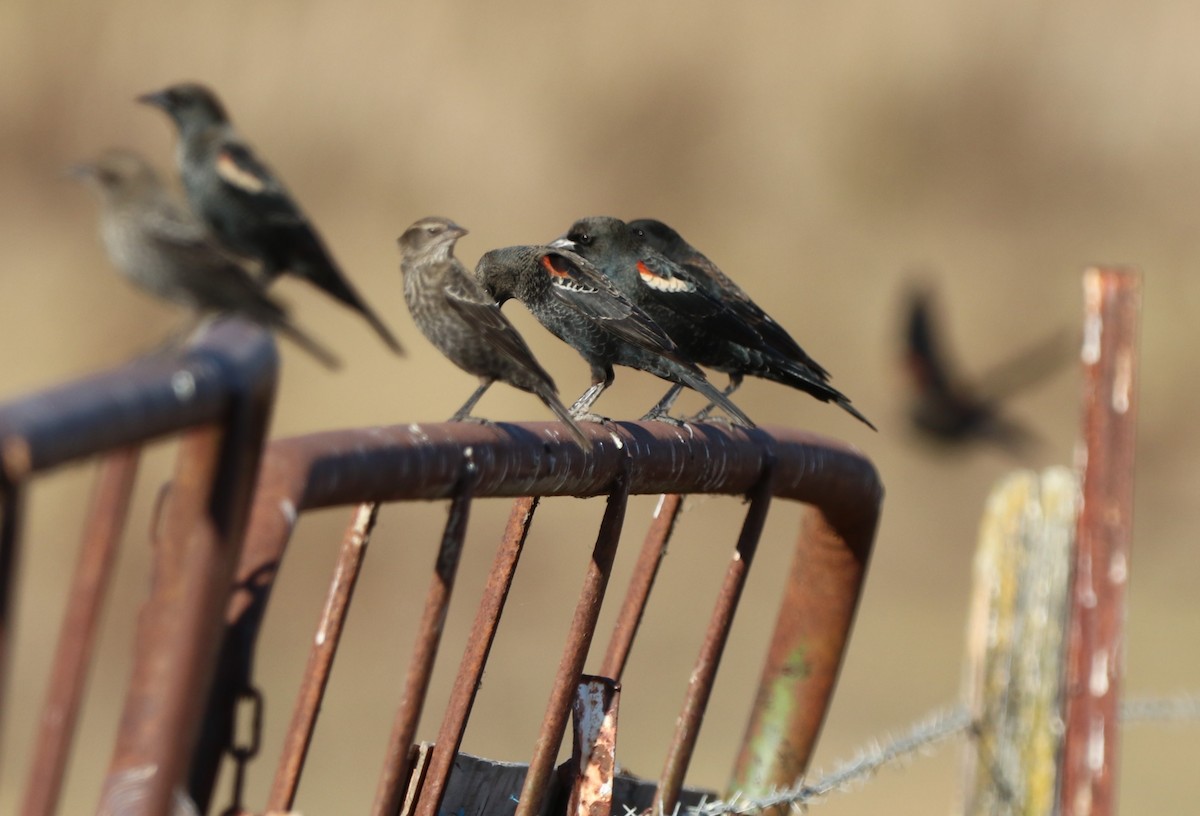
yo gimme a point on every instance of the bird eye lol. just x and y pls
(584, 239)
(432, 229)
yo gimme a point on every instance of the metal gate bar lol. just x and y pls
(224, 380)
(528, 459)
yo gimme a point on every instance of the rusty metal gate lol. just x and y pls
(223, 527)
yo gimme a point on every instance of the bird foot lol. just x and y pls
(708, 419)
(473, 419)
(665, 417)
(588, 416)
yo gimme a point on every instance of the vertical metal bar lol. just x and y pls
(594, 756)
(483, 632)
(181, 624)
(393, 782)
(320, 658)
(1096, 641)
(64, 695)
(579, 640)
(156, 732)
(806, 650)
(644, 575)
(12, 520)
(700, 684)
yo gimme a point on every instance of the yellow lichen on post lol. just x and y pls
(1015, 642)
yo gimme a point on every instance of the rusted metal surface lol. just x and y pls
(470, 671)
(397, 766)
(579, 640)
(1096, 640)
(142, 400)
(594, 748)
(180, 624)
(320, 658)
(131, 404)
(407, 462)
(64, 694)
(640, 584)
(806, 648)
(687, 730)
(12, 506)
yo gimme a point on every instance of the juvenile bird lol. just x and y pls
(705, 328)
(585, 310)
(458, 316)
(164, 250)
(245, 204)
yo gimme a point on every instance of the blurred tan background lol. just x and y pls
(819, 152)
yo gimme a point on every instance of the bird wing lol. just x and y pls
(671, 285)
(209, 273)
(576, 283)
(244, 174)
(926, 361)
(776, 337)
(468, 298)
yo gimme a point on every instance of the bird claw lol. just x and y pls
(707, 419)
(664, 417)
(588, 416)
(474, 419)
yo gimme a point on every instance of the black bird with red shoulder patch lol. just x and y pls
(705, 328)
(454, 311)
(671, 244)
(585, 310)
(244, 202)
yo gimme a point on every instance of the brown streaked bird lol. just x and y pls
(164, 250)
(244, 202)
(456, 314)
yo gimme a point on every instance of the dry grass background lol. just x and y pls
(818, 152)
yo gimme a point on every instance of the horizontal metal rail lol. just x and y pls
(427, 461)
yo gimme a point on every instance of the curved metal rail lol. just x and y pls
(435, 461)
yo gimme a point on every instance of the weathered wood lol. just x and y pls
(1015, 643)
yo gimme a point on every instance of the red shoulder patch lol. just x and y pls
(554, 270)
(659, 282)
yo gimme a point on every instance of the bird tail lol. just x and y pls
(698, 382)
(843, 402)
(324, 274)
(380, 327)
(562, 412)
(800, 377)
(305, 341)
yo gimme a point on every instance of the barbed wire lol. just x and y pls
(931, 730)
(1179, 708)
(935, 728)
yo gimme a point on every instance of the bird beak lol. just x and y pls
(456, 231)
(563, 243)
(158, 99)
